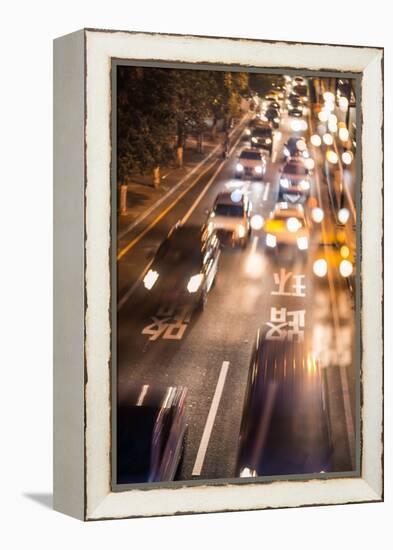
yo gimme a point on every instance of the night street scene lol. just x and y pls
(237, 336)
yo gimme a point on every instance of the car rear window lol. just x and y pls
(262, 132)
(230, 210)
(250, 155)
(295, 169)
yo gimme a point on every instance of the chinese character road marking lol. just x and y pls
(282, 328)
(281, 279)
(170, 323)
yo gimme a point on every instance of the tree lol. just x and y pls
(145, 125)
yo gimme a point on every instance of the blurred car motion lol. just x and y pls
(262, 137)
(294, 183)
(251, 164)
(287, 225)
(185, 266)
(230, 217)
(151, 426)
(284, 428)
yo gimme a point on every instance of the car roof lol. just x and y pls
(251, 150)
(290, 210)
(183, 234)
(226, 198)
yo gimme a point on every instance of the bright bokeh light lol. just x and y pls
(303, 125)
(320, 267)
(296, 125)
(329, 106)
(236, 196)
(343, 103)
(323, 116)
(194, 283)
(332, 157)
(332, 127)
(343, 134)
(309, 164)
(317, 214)
(346, 268)
(301, 145)
(347, 157)
(293, 224)
(257, 222)
(344, 251)
(328, 97)
(316, 140)
(332, 119)
(302, 243)
(343, 215)
(328, 139)
(150, 279)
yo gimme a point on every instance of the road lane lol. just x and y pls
(238, 305)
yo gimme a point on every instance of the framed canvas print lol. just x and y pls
(218, 274)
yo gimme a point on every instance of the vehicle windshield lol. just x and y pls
(251, 155)
(230, 210)
(262, 132)
(173, 252)
(135, 426)
(300, 89)
(297, 169)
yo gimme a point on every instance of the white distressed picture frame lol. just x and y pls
(82, 249)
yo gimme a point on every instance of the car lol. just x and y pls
(185, 266)
(151, 428)
(273, 105)
(284, 427)
(273, 116)
(302, 91)
(295, 146)
(262, 137)
(335, 258)
(230, 217)
(295, 107)
(294, 182)
(287, 225)
(251, 164)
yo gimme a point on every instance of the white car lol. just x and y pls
(230, 217)
(251, 164)
(287, 225)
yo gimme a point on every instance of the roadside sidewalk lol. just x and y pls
(143, 197)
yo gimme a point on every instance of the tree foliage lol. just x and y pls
(158, 108)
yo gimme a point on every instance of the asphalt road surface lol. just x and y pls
(209, 352)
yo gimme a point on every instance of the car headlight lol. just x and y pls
(268, 141)
(241, 231)
(302, 243)
(194, 283)
(248, 131)
(150, 279)
(258, 169)
(239, 167)
(346, 268)
(271, 240)
(248, 472)
(276, 119)
(304, 185)
(284, 182)
(254, 139)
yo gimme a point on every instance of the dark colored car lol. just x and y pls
(294, 183)
(273, 116)
(151, 425)
(262, 137)
(294, 146)
(185, 266)
(284, 427)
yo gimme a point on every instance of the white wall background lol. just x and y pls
(26, 287)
